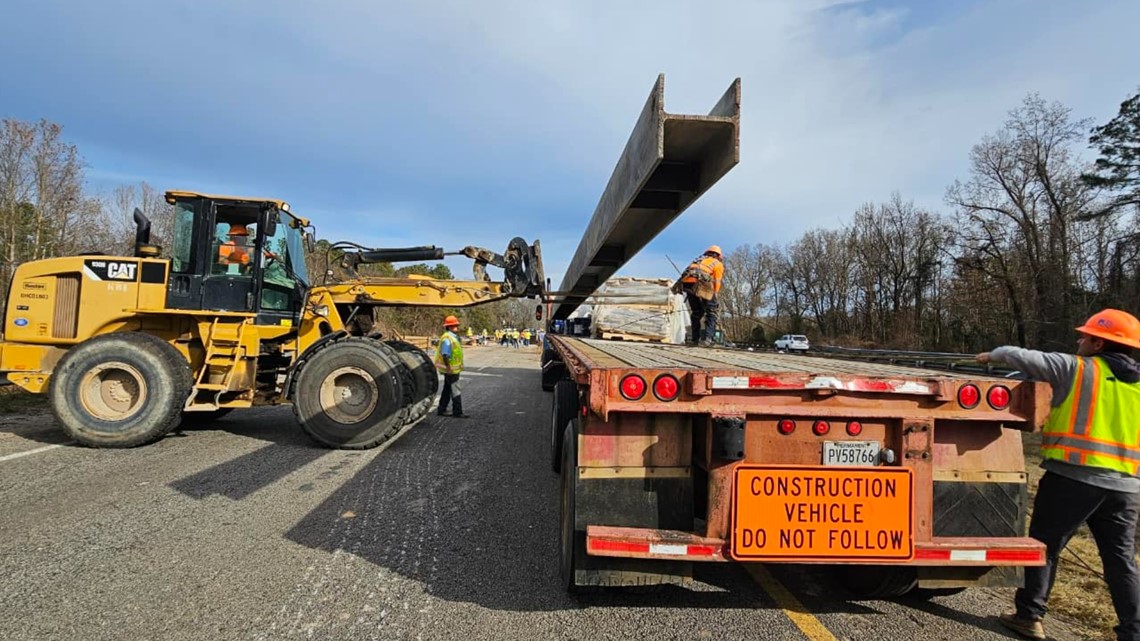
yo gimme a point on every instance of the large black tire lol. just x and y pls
(877, 581)
(351, 394)
(120, 390)
(197, 419)
(564, 407)
(571, 541)
(424, 376)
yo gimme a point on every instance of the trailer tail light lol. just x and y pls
(998, 397)
(633, 387)
(969, 396)
(854, 428)
(666, 387)
(786, 426)
(821, 427)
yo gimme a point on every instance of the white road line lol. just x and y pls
(9, 457)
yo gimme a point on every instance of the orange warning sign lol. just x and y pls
(802, 513)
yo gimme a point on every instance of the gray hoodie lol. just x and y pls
(1059, 370)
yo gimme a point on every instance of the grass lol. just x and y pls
(14, 400)
(1079, 596)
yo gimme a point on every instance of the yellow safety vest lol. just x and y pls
(456, 365)
(1098, 424)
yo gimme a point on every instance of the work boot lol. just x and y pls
(1028, 628)
(460, 415)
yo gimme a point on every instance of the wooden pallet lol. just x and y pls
(637, 338)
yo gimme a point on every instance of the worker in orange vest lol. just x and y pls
(701, 283)
(234, 250)
(1090, 452)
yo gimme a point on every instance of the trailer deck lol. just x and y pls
(597, 353)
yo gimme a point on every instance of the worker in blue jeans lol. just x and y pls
(1090, 451)
(449, 361)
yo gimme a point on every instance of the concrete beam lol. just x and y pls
(668, 162)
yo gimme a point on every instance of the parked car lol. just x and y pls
(792, 342)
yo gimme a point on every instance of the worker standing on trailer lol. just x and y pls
(449, 360)
(701, 283)
(1090, 448)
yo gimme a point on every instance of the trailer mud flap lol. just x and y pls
(977, 509)
(657, 503)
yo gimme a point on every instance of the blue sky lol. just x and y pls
(454, 123)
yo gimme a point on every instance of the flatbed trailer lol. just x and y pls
(899, 477)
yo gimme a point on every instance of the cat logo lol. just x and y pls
(121, 271)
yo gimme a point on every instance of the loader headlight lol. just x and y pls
(321, 310)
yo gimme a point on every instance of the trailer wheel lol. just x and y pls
(350, 394)
(424, 376)
(564, 407)
(120, 390)
(571, 542)
(552, 372)
(877, 581)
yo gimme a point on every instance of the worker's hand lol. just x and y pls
(983, 358)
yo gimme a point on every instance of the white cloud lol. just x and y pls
(460, 123)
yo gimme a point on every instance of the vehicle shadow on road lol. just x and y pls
(469, 509)
(288, 450)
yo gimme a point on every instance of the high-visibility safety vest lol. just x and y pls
(231, 253)
(707, 268)
(456, 365)
(1097, 424)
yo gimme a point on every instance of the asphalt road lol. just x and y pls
(244, 530)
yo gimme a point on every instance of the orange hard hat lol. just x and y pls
(714, 249)
(1113, 325)
(451, 321)
(238, 229)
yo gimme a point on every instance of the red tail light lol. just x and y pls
(854, 428)
(821, 427)
(998, 397)
(633, 387)
(786, 426)
(969, 396)
(666, 387)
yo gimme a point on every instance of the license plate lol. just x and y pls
(801, 513)
(850, 453)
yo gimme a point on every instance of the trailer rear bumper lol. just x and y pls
(644, 543)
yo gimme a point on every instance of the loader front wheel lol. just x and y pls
(120, 390)
(351, 394)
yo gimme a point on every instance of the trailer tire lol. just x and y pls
(571, 541)
(877, 581)
(120, 390)
(564, 406)
(351, 394)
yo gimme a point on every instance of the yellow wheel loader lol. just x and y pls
(129, 347)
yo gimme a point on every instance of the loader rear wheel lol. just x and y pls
(563, 409)
(351, 394)
(424, 376)
(877, 581)
(120, 390)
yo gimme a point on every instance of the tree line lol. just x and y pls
(47, 210)
(1033, 240)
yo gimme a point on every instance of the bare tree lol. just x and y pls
(1017, 211)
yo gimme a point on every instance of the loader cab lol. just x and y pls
(237, 255)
